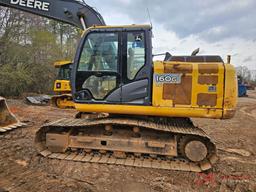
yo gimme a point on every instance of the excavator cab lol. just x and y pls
(62, 82)
(114, 66)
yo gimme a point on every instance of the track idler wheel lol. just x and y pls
(194, 149)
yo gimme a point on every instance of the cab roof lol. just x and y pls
(58, 64)
(133, 26)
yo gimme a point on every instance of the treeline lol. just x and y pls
(246, 75)
(29, 45)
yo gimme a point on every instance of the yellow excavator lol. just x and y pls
(145, 106)
(62, 87)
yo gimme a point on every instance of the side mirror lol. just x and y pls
(167, 56)
(195, 52)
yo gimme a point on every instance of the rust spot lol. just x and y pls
(14, 109)
(213, 80)
(178, 68)
(228, 114)
(204, 99)
(179, 93)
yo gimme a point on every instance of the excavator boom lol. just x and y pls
(73, 12)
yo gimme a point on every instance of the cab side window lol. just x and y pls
(135, 53)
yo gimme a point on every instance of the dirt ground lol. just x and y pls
(22, 169)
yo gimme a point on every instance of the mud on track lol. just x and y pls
(22, 169)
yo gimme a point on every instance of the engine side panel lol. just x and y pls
(196, 86)
(188, 85)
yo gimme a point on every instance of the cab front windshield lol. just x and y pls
(64, 73)
(99, 53)
(99, 64)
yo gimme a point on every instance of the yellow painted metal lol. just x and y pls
(63, 101)
(59, 64)
(116, 26)
(62, 86)
(231, 91)
(196, 87)
(120, 26)
(150, 110)
(226, 91)
(158, 88)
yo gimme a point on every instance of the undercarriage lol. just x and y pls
(64, 101)
(153, 142)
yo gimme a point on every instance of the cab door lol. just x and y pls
(114, 67)
(98, 72)
(137, 67)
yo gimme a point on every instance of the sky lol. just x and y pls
(217, 27)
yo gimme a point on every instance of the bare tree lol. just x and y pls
(244, 73)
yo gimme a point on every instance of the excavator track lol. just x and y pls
(64, 101)
(65, 140)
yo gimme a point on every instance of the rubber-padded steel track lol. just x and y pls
(175, 126)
